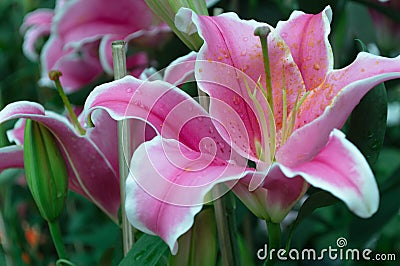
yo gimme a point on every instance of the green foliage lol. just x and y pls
(148, 250)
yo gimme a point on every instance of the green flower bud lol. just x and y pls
(45, 170)
(167, 10)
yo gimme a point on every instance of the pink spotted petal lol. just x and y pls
(230, 55)
(328, 106)
(11, 157)
(342, 170)
(167, 186)
(172, 113)
(78, 22)
(307, 38)
(98, 182)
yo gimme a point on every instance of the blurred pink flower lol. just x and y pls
(80, 38)
(387, 30)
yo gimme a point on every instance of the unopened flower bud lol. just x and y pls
(45, 170)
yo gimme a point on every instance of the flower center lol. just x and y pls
(266, 148)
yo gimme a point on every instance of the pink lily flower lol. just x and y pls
(387, 30)
(80, 39)
(127, 20)
(295, 133)
(295, 143)
(176, 158)
(92, 159)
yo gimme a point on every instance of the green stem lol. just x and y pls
(274, 240)
(226, 225)
(57, 239)
(55, 75)
(125, 149)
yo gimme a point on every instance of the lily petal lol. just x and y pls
(167, 186)
(77, 23)
(163, 106)
(79, 68)
(181, 70)
(330, 104)
(342, 170)
(137, 62)
(36, 24)
(307, 38)
(275, 198)
(11, 157)
(224, 67)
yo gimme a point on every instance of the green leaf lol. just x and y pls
(367, 125)
(148, 250)
(314, 201)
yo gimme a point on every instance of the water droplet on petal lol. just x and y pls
(317, 66)
(245, 39)
(284, 34)
(129, 90)
(211, 130)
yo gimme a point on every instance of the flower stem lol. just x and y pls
(274, 239)
(57, 239)
(224, 208)
(124, 147)
(55, 75)
(226, 225)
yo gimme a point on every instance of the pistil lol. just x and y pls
(55, 75)
(263, 32)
